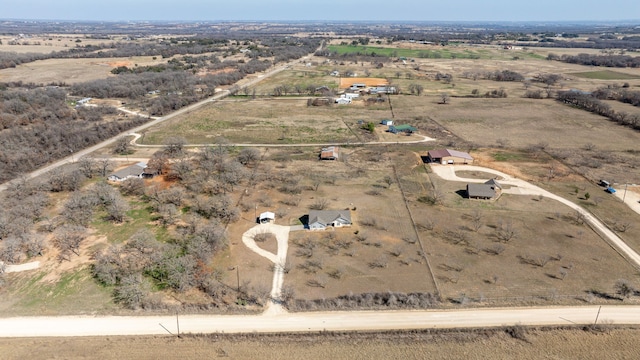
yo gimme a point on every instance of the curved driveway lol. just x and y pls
(521, 187)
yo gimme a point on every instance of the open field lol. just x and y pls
(52, 42)
(71, 71)
(551, 258)
(538, 344)
(269, 121)
(605, 75)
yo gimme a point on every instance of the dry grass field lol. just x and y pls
(71, 71)
(550, 259)
(270, 121)
(481, 344)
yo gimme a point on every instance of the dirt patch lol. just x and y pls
(56, 268)
(119, 63)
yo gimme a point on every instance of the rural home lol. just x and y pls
(488, 190)
(394, 129)
(267, 217)
(330, 153)
(133, 171)
(448, 156)
(322, 219)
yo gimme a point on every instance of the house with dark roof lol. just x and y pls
(133, 171)
(322, 219)
(449, 156)
(488, 190)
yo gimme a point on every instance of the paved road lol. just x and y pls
(521, 187)
(314, 321)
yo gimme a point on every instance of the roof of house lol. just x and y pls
(481, 190)
(494, 183)
(133, 170)
(404, 128)
(440, 153)
(330, 152)
(328, 216)
(267, 215)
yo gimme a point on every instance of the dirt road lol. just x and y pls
(75, 156)
(314, 321)
(521, 187)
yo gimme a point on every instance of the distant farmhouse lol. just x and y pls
(407, 129)
(139, 170)
(488, 190)
(448, 156)
(330, 153)
(322, 219)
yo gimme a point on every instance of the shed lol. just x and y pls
(330, 153)
(267, 217)
(387, 122)
(449, 156)
(480, 191)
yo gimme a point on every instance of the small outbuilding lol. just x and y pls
(266, 217)
(330, 153)
(488, 190)
(387, 122)
(449, 156)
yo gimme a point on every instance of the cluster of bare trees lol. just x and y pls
(37, 127)
(618, 93)
(621, 61)
(385, 300)
(590, 103)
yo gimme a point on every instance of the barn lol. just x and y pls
(449, 156)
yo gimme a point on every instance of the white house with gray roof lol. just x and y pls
(322, 219)
(133, 171)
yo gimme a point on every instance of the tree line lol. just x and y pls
(621, 61)
(589, 103)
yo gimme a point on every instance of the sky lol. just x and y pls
(339, 10)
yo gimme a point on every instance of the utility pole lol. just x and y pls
(238, 278)
(625, 192)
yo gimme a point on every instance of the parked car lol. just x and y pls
(610, 190)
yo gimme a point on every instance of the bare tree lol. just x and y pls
(68, 239)
(118, 208)
(248, 156)
(174, 146)
(122, 146)
(444, 98)
(624, 288)
(476, 220)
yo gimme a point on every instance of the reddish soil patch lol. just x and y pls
(347, 82)
(119, 63)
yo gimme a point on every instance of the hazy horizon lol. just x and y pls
(328, 10)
